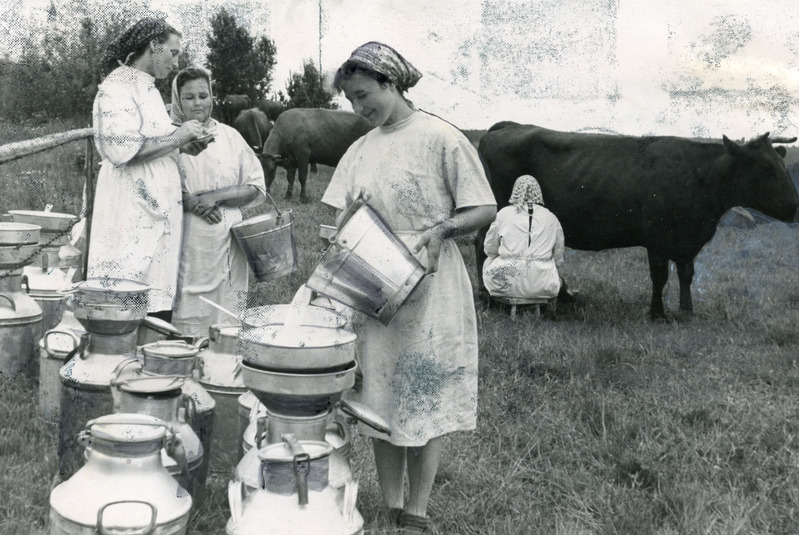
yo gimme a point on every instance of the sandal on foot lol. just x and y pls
(413, 523)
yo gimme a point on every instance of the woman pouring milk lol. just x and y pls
(426, 180)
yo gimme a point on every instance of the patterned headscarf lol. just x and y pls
(388, 62)
(177, 113)
(122, 49)
(525, 190)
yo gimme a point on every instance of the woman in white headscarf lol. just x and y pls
(426, 180)
(216, 184)
(524, 246)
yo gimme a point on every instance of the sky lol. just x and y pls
(676, 67)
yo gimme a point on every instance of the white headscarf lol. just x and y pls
(177, 113)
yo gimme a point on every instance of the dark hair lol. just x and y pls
(133, 42)
(350, 68)
(192, 73)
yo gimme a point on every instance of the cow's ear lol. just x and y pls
(732, 147)
(782, 151)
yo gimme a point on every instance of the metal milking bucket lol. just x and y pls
(367, 267)
(268, 244)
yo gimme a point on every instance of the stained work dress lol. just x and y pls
(523, 254)
(211, 262)
(137, 217)
(420, 371)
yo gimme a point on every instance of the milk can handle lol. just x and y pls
(75, 339)
(26, 283)
(10, 301)
(279, 213)
(235, 498)
(302, 467)
(260, 430)
(148, 530)
(120, 368)
(190, 405)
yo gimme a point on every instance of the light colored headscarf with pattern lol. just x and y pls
(525, 191)
(388, 62)
(177, 113)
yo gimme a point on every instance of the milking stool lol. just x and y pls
(514, 302)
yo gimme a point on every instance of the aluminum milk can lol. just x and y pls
(176, 358)
(293, 496)
(161, 397)
(123, 487)
(219, 375)
(20, 327)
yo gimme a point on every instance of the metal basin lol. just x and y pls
(107, 319)
(298, 394)
(297, 348)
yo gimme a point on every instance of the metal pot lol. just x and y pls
(107, 290)
(123, 487)
(20, 328)
(19, 233)
(48, 221)
(294, 348)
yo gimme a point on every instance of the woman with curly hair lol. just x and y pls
(137, 214)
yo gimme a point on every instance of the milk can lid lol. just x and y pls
(170, 349)
(127, 427)
(155, 384)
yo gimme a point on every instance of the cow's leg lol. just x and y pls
(290, 172)
(685, 272)
(659, 272)
(480, 258)
(314, 169)
(302, 169)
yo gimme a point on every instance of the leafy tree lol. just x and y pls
(240, 64)
(308, 90)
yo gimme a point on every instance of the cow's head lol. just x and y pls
(761, 177)
(269, 162)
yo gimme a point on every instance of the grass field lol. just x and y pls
(595, 422)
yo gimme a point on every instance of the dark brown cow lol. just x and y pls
(309, 135)
(271, 108)
(231, 106)
(254, 127)
(663, 193)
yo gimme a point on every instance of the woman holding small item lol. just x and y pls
(137, 214)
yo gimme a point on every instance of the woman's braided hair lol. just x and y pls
(132, 43)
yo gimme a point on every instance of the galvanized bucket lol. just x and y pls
(367, 267)
(268, 243)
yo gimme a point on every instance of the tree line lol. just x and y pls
(58, 71)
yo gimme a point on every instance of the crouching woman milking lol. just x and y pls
(426, 180)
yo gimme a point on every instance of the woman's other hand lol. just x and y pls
(433, 239)
(213, 216)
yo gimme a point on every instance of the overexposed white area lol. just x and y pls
(677, 67)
